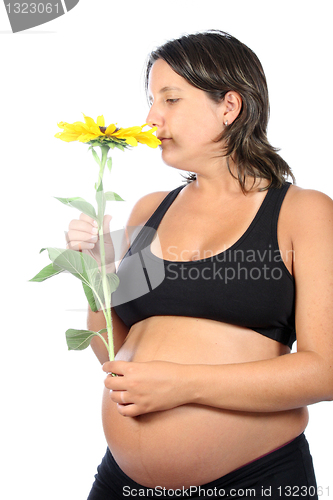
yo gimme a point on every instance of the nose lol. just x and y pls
(154, 117)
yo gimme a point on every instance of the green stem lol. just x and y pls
(107, 296)
(106, 289)
(105, 150)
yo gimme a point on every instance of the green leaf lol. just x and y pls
(111, 196)
(93, 293)
(81, 204)
(78, 340)
(94, 143)
(82, 266)
(47, 272)
(113, 282)
(96, 288)
(96, 157)
(109, 164)
(90, 297)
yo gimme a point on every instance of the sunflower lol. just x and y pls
(91, 131)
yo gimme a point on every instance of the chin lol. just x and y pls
(177, 164)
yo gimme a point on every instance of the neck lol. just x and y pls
(218, 181)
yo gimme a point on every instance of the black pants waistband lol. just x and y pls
(282, 474)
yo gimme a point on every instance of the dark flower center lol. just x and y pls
(103, 129)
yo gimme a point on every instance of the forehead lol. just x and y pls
(163, 78)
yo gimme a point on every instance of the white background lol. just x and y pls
(91, 60)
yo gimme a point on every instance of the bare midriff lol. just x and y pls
(193, 444)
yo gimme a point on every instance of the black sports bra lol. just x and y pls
(246, 285)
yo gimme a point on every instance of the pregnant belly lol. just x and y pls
(193, 444)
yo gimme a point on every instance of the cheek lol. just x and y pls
(206, 122)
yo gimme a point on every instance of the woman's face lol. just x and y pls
(187, 120)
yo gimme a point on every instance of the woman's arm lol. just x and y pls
(304, 377)
(289, 381)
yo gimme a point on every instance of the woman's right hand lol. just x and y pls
(83, 236)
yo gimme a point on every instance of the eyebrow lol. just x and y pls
(166, 89)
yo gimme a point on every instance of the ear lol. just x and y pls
(232, 106)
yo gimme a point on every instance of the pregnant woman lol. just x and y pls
(205, 398)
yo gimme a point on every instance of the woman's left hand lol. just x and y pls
(145, 387)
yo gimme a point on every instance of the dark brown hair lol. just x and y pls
(217, 63)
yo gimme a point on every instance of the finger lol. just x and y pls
(115, 383)
(79, 236)
(119, 397)
(106, 228)
(117, 367)
(106, 223)
(80, 245)
(107, 366)
(129, 410)
(86, 218)
(74, 235)
(84, 226)
(81, 231)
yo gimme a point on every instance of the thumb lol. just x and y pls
(106, 224)
(106, 221)
(106, 228)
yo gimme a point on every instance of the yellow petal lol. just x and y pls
(111, 128)
(87, 137)
(93, 127)
(126, 132)
(77, 124)
(101, 121)
(87, 119)
(81, 129)
(131, 141)
(62, 124)
(148, 138)
(67, 137)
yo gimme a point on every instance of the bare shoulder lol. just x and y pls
(310, 224)
(308, 211)
(145, 207)
(300, 196)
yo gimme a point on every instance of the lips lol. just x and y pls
(164, 139)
